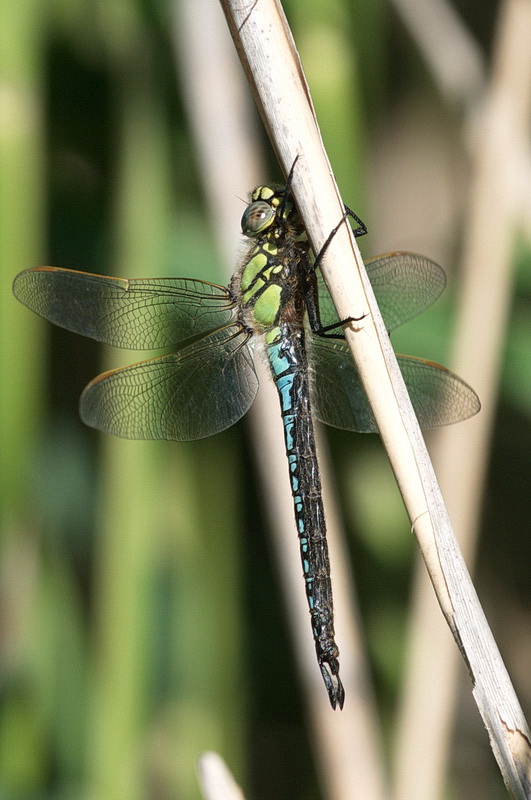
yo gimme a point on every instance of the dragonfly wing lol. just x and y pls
(404, 285)
(139, 314)
(337, 395)
(200, 390)
(439, 397)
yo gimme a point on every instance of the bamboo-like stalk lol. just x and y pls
(462, 460)
(269, 57)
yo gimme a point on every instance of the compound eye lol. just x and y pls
(256, 218)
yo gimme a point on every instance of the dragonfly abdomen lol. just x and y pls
(287, 357)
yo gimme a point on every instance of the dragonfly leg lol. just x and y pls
(324, 331)
(311, 290)
(361, 230)
(312, 306)
(287, 189)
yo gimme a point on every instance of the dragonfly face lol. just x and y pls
(208, 382)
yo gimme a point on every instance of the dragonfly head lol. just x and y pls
(269, 207)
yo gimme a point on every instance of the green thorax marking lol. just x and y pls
(258, 262)
(261, 284)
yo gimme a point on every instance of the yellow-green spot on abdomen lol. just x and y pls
(267, 305)
(272, 336)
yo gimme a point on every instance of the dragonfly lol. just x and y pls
(277, 302)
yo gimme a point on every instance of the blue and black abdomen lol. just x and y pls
(287, 357)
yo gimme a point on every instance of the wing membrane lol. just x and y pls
(139, 314)
(196, 392)
(439, 397)
(404, 285)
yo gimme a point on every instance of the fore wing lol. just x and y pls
(404, 285)
(139, 314)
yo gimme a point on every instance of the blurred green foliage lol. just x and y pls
(140, 619)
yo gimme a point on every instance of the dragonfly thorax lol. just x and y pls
(269, 282)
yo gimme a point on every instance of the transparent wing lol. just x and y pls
(139, 314)
(439, 397)
(196, 392)
(404, 285)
